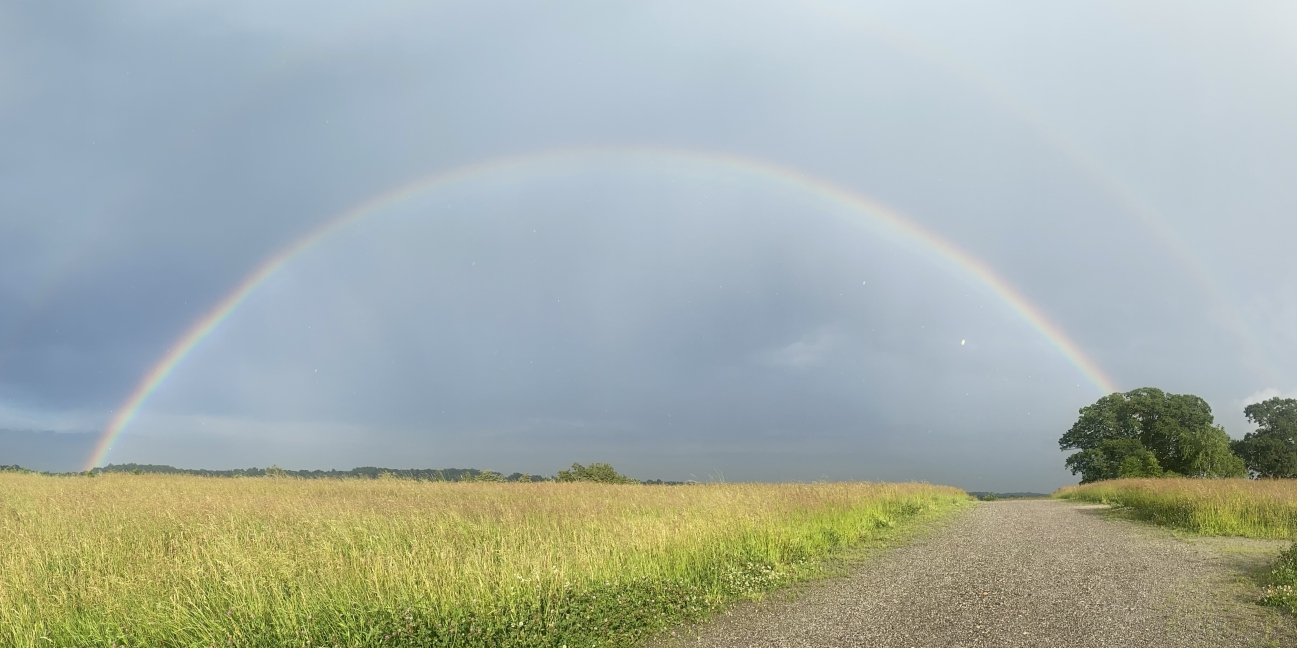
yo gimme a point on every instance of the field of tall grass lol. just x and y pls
(1260, 508)
(158, 560)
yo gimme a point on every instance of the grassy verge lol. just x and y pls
(156, 560)
(1235, 507)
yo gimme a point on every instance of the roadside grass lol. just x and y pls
(1264, 508)
(160, 560)
(1260, 508)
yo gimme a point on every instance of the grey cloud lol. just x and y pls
(808, 350)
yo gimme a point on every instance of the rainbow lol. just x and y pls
(871, 211)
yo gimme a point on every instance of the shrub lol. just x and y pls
(1282, 590)
(601, 473)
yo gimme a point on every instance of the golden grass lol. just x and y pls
(1263, 508)
(158, 560)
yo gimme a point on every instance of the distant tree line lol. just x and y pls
(1150, 433)
(595, 472)
(364, 472)
(991, 495)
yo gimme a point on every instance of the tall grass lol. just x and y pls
(159, 560)
(1263, 508)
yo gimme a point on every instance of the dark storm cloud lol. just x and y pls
(156, 154)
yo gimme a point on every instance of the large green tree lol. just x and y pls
(1147, 432)
(1271, 451)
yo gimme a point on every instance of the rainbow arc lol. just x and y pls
(863, 211)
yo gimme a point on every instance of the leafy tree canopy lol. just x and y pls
(595, 472)
(1147, 432)
(1115, 458)
(1270, 451)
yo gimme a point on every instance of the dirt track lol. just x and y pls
(1026, 573)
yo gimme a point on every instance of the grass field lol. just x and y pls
(155, 560)
(1263, 508)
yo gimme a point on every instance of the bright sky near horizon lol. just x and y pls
(757, 240)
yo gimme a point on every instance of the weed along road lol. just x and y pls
(1028, 573)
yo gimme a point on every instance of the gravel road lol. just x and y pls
(1028, 573)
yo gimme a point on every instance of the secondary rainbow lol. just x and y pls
(874, 213)
(1119, 192)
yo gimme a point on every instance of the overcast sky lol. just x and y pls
(651, 297)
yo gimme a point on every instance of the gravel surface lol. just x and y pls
(1025, 573)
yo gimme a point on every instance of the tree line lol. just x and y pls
(596, 472)
(1147, 432)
